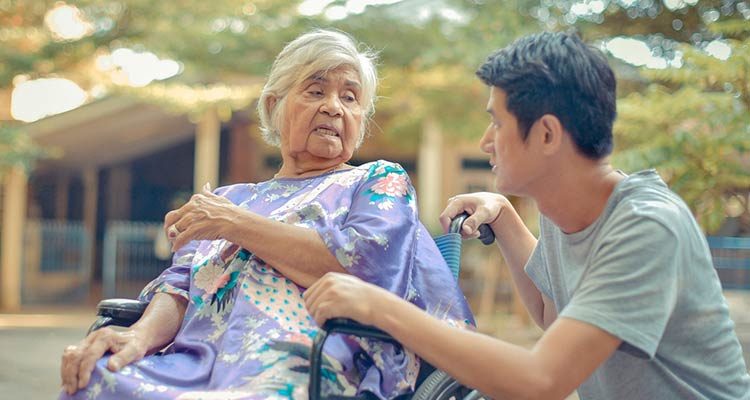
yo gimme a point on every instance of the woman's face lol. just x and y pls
(323, 119)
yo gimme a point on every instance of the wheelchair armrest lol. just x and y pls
(337, 325)
(118, 312)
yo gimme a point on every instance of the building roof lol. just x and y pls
(107, 131)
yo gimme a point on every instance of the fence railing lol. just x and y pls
(130, 257)
(56, 261)
(731, 257)
(57, 265)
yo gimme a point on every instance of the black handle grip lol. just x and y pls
(486, 236)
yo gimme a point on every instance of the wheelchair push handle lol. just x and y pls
(486, 236)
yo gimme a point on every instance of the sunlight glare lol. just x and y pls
(137, 68)
(719, 50)
(634, 52)
(585, 8)
(315, 7)
(67, 23)
(36, 99)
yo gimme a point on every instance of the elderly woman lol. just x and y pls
(231, 303)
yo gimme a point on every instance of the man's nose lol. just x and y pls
(485, 143)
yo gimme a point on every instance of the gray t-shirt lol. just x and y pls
(643, 272)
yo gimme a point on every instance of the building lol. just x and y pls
(122, 163)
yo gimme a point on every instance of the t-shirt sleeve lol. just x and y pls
(630, 286)
(376, 241)
(536, 269)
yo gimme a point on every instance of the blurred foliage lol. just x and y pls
(17, 149)
(428, 67)
(427, 63)
(691, 122)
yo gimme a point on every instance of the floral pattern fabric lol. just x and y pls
(246, 333)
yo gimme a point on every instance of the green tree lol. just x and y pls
(688, 122)
(691, 121)
(427, 63)
(17, 149)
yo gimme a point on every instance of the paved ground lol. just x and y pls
(31, 348)
(31, 343)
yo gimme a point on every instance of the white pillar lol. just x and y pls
(14, 216)
(207, 142)
(429, 169)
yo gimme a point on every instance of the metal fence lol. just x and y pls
(130, 258)
(731, 257)
(57, 265)
(56, 262)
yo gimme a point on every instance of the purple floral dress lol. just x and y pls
(246, 332)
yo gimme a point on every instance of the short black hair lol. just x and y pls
(558, 74)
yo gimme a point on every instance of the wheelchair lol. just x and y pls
(432, 384)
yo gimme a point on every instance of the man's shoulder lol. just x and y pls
(645, 195)
(652, 210)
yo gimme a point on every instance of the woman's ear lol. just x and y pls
(552, 133)
(270, 103)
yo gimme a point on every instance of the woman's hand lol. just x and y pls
(205, 217)
(78, 360)
(343, 295)
(483, 208)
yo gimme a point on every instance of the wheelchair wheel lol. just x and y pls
(441, 386)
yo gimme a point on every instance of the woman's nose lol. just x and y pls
(331, 106)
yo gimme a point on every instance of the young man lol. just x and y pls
(621, 277)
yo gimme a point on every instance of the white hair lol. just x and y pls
(314, 52)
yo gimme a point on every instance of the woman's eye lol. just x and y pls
(349, 97)
(315, 92)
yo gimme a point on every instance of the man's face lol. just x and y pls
(511, 158)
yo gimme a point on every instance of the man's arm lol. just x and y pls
(517, 243)
(563, 358)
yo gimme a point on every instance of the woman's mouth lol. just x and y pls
(326, 131)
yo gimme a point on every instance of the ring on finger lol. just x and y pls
(172, 231)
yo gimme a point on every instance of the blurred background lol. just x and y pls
(113, 112)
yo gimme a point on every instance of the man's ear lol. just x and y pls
(551, 133)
